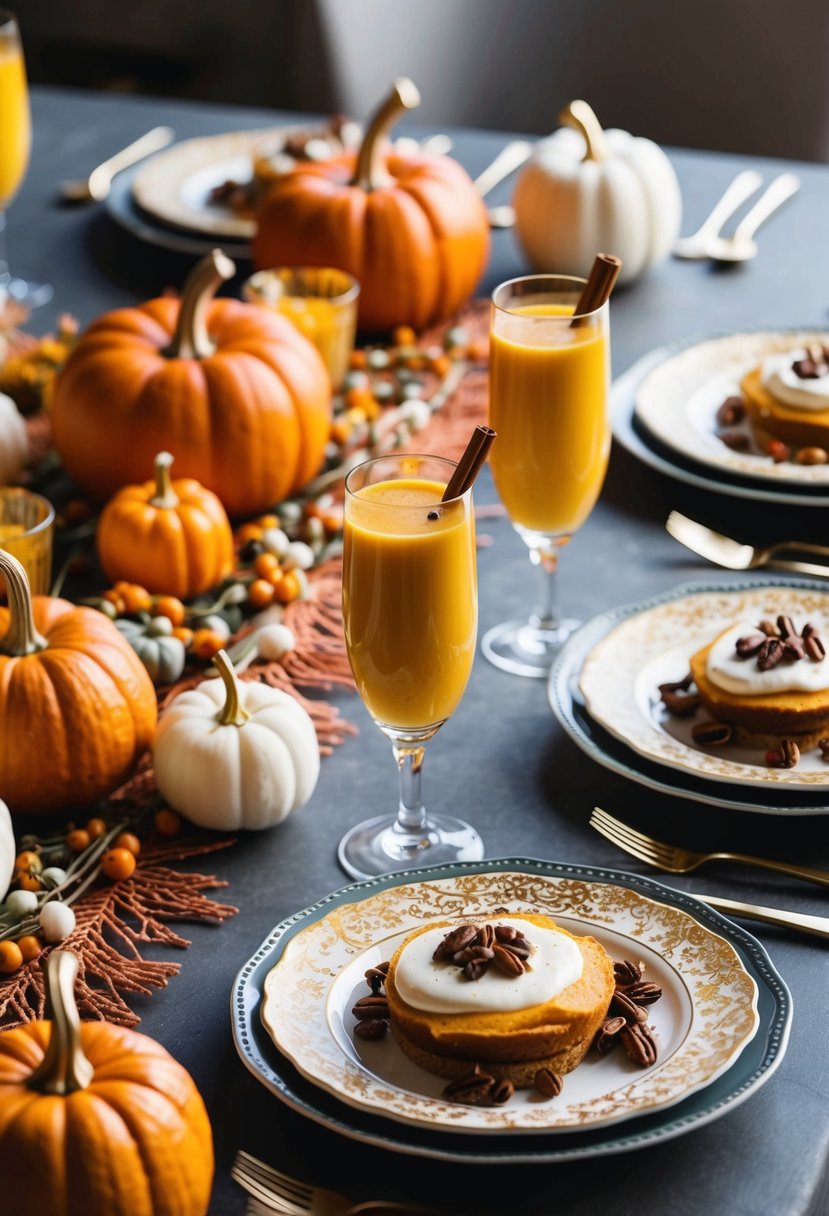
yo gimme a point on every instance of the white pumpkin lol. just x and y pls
(8, 852)
(229, 755)
(14, 441)
(588, 191)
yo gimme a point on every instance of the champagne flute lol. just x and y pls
(15, 146)
(410, 616)
(549, 384)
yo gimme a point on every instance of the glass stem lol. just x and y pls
(4, 265)
(547, 616)
(411, 814)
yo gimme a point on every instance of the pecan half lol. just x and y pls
(770, 654)
(812, 456)
(677, 685)
(768, 628)
(608, 1034)
(548, 1083)
(732, 410)
(813, 645)
(823, 744)
(472, 1089)
(474, 969)
(455, 940)
(681, 704)
(371, 1029)
(785, 625)
(371, 1007)
(621, 1004)
(639, 1044)
(486, 936)
(376, 977)
(749, 645)
(472, 954)
(500, 1091)
(735, 440)
(507, 961)
(711, 734)
(789, 753)
(507, 933)
(644, 993)
(627, 972)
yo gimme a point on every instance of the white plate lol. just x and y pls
(620, 677)
(678, 401)
(706, 1017)
(637, 440)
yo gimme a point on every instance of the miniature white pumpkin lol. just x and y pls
(588, 191)
(14, 441)
(230, 755)
(8, 851)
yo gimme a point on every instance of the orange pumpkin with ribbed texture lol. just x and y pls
(412, 229)
(234, 390)
(172, 537)
(96, 1120)
(77, 707)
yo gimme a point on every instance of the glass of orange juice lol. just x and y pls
(26, 525)
(322, 303)
(410, 616)
(15, 145)
(548, 393)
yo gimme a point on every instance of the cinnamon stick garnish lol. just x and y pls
(470, 463)
(597, 289)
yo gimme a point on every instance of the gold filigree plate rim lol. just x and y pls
(296, 1010)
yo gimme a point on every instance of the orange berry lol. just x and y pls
(441, 365)
(27, 882)
(267, 521)
(359, 399)
(403, 335)
(478, 350)
(332, 519)
(171, 607)
(95, 828)
(128, 841)
(358, 360)
(249, 532)
(28, 860)
(260, 593)
(116, 599)
(78, 840)
(207, 643)
(266, 564)
(288, 588)
(136, 599)
(167, 822)
(11, 957)
(30, 946)
(118, 864)
(340, 432)
(184, 635)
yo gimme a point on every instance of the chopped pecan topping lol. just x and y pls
(711, 734)
(474, 947)
(472, 1089)
(548, 1083)
(639, 1044)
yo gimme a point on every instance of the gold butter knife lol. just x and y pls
(816, 925)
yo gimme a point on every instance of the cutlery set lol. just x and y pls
(708, 241)
(272, 1191)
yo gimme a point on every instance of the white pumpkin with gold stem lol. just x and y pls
(232, 755)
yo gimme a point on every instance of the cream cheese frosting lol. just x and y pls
(554, 964)
(781, 380)
(733, 674)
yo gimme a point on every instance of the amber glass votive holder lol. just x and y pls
(321, 302)
(26, 526)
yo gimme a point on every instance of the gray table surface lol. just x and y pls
(502, 759)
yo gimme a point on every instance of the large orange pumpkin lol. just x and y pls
(77, 707)
(96, 1120)
(412, 229)
(172, 537)
(234, 390)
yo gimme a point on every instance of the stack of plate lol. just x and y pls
(717, 1043)
(604, 691)
(664, 408)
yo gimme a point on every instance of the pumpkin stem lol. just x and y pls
(370, 173)
(191, 339)
(165, 495)
(231, 713)
(64, 1067)
(21, 637)
(580, 115)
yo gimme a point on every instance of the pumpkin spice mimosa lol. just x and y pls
(549, 380)
(410, 621)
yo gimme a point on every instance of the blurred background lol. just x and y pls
(735, 75)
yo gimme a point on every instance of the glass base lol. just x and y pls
(25, 291)
(380, 846)
(525, 650)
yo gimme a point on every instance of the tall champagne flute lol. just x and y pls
(548, 390)
(410, 617)
(15, 145)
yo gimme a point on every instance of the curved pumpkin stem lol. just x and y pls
(191, 339)
(165, 495)
(64, 1068)
(369, 173)
(580, 115)
(21, 637)
(231, 713)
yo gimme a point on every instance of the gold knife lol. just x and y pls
(817, 925)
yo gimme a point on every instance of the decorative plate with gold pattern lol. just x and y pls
(651, 644)
(705, 1018)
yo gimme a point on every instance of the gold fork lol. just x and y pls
(723, 551)
(277, 1192)
(681, 861)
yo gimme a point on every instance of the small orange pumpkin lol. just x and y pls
(412, 229)
(77, 707)
(236, 391)
(96, 1120)
(172, 537)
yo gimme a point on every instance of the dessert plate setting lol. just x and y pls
(721, 1025)
(664, 412)
(604, 691)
